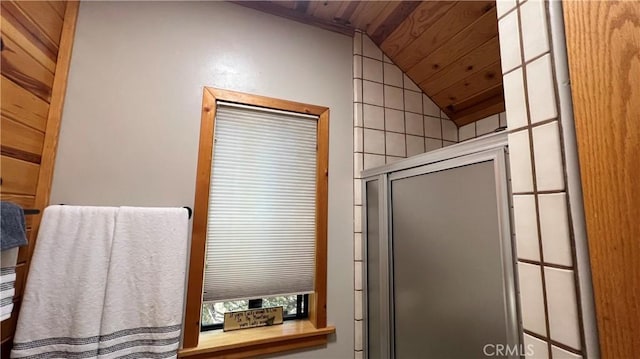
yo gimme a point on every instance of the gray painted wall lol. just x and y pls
(132, 114)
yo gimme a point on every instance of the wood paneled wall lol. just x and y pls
(603, 43)
(37, 38)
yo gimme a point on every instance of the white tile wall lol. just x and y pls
(371, 69)
(392, 75)
(415, 145)
(357, 66)
(554, 228)
(370, 49)
(357, 44)
(548, 157)
(390, 123)
(372, 93)
(357, 165)
(487, 125)
(535, 36)
(563, 311)
(357, 218)
(503, 6)
(531, 110)
(531, 298)
(357, 246)
(503, 119)
(540, 86)
(409, 84)
(449, 131)
(535, 348)
(358, 304)
(396, 144)
(358, 335)
(467, 132)
(510, 45)
(431, 144)
(373, 142)
(413, 101)
(392, 159)
(393, 97)
(357, 114)
(414, 123)
(394, 120)
(357, 270)
(430, 108)
(526, 227)
(357, 90)
(432, 127)
(357, 139)
(371, 161)
(514, 100)
(520, 161)
(373, 116)
(559, 353)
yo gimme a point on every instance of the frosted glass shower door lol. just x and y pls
(448, 270)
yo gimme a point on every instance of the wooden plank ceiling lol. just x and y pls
(449, 48)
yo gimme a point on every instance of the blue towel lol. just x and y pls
(13, 232)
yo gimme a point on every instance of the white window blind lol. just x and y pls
(262, 203)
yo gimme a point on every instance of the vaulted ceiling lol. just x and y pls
(449, 48)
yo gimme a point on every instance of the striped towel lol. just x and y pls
(64, 294)
(105, 283)
(145, 288)
(7, 291)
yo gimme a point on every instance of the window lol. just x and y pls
(259, 224)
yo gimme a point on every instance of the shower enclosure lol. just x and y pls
(439, 269)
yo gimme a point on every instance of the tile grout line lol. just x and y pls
(534, 177)
(524, 63)
(552, 342)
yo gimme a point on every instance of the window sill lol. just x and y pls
(294, 334)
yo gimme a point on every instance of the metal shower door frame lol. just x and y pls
(490, 148)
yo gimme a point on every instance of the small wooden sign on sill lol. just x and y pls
(252, 318)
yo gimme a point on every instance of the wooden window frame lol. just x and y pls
(301, 333)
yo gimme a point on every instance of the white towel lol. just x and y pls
(142, 315)
(64, 296)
